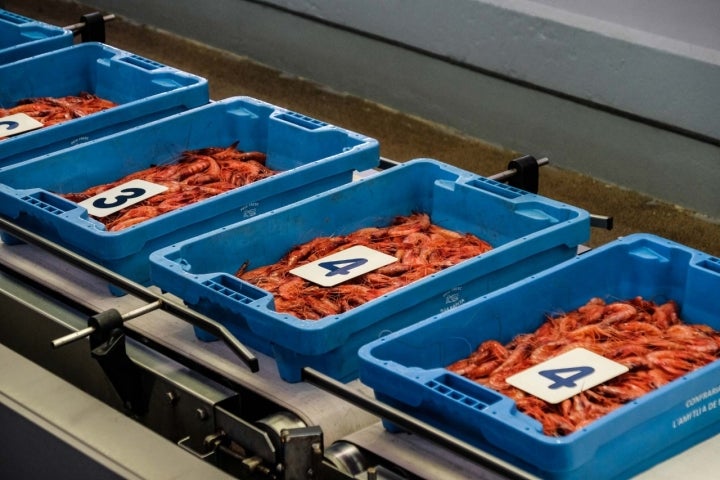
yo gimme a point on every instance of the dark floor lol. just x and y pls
(401, 137)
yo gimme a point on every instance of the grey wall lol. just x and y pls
(624, 90)
(612, 52)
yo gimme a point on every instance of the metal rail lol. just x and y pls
(85, 332)
(414, 425)
(76, 28)
(511, 172)
(137, 290)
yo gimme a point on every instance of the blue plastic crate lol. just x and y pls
(528, 233)
(313, 156)
(407, 369)
(22, 37)
(143, 89)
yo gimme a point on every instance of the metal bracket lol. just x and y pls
(302, 452)
(91, 27)
(523, 173)
(601, 221)
(527, 175)
(107, 345)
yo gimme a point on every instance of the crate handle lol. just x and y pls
(13, 18)
(40, 205)
(482, 399)
(648, 253)
(48, 202)
(712, 264)
(496, 188)
(299, 120)
(234, 289)
(141, 62)
(456, 396)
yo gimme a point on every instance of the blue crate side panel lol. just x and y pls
(417, 186)
(324, 157)
(22, 37)
(143, 89)
(108, 72)
(407, 367)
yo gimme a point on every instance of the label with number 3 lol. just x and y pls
(17, 123)
(122, 196)
(341, 266)
(566, 375)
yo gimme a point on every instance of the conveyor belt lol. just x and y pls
(313, 405)
(339, 419)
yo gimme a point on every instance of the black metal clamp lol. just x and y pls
(107, 346)
(527, 173)
(522, 173)
(91, 27)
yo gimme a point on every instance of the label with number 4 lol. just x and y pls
(122, 196)
(566, 375)
(341, 266)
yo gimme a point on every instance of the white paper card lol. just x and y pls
(122, 196)
(341, 266)
(17, 123)
(566, 375)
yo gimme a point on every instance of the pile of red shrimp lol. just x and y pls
(196, 175)
(421, 248)
(650, 339)
(53, 110)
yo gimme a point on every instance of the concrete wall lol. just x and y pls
(626, 91)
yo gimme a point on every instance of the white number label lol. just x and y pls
(122, 196)
(566, 375)
(341, 266)
(17, 123)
